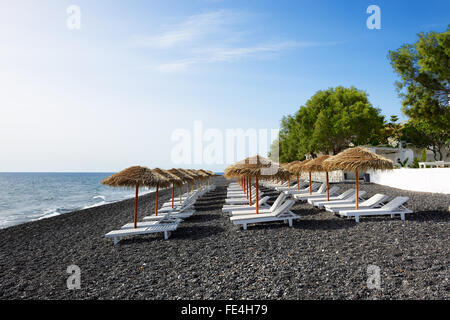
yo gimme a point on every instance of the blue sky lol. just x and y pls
(109, 95)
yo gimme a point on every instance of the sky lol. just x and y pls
(112, 93)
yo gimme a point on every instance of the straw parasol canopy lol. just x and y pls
(299, 167)
(193, 174)
(182, 175)
(357, 159)
(231, 172)
(173, 179)
(315, 165)
(208, 173)
(134, 177)
(257, 167)
(186, 178)
(291, 167)
(166, 179)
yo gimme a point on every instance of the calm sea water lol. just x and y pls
(32, 196)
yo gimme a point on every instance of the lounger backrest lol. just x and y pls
(394, 203)
(376, 199)
(347, 194)
(322, 188)
(334, 190)
(263, 200)
(284, 207)
(278, 201)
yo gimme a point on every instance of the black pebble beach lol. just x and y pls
(322, 257)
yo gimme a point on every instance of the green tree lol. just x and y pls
(424, 86)
(331, 121)
(424, 135)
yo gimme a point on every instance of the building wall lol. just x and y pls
(423, 180)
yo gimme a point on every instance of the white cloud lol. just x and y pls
(196, 27)
(219, 36)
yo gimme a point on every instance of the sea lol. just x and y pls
(28, 196)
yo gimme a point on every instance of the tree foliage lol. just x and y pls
(331, 121)
(424, 135)
(424, 86)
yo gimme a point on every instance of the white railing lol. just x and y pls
(436, 164)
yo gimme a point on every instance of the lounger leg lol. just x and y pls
(115, 240)
(402, 215)
(357, 218)
(392, 215)
(244, 226)
(290, 222)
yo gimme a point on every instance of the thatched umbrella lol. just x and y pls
(203, 175)
(161, 182)
(231, 172)
(186, 178)
(192, 174)
(257, 167)
(315, 165)
(133, 177)
(357, 159)
(199, 176)
(208, 173)
(173, 179)
(299, 167)
(290, 167)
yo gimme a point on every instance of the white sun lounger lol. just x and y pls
(318, 194)
(349, 198)
(372, 202)
(262, 204)
(277, 203)
(281, 214)
(345, 195)
(238, 193)
(242, 200)
(175, 214)
(185, 206)
(303, 184)
(315, 186)
(274, 185)
(392, 208)
(165, 228)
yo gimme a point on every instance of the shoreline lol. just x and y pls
(207, 257)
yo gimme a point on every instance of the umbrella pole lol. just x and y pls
(328, 189)
(136, 206)
(181, 191)
(310, 186)
(357, 189)
(247, 186)
(298, 183)
(156, 204)
(257, 195)
(173, 193)
(250, 187)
